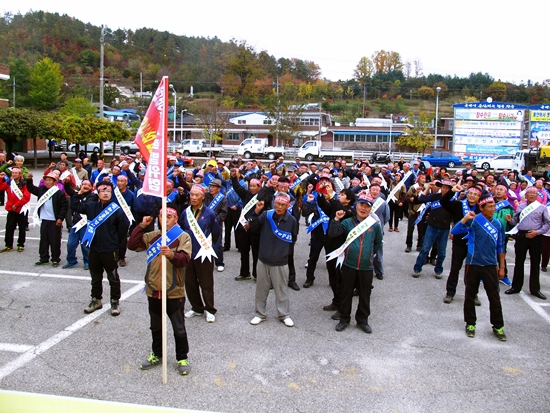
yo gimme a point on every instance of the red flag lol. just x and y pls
(152, 139)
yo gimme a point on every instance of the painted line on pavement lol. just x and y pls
(38, 239)
(70, 277)
(537, 307)
(15, 348)
(34, 352)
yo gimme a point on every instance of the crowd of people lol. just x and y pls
(347, 207)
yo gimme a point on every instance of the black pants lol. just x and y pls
(534, 246)
(315, 249)
(421, 228)
(472, 276)
(199, 278)
(13, 220)
(459, 252)
(174, 310)
(122, 248)
(395, 215)
(291, 267)
(98, 262)
(230, 222)
(245, 242)
(363, 279)
(335, 281)
(50, 239)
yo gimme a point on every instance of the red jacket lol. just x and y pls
(12, 198)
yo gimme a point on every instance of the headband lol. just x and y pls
(531, 189)
(15, 169)
(100, 185)
(171, 211)
(283, 184)
(486, 200)
(473, 188)
(282, 199)
(255, 181)
(198, 188)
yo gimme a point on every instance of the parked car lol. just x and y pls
(188, 160)
(127, 147)
(380, 158)
(443, 159)
(92, 147)
(497, 163)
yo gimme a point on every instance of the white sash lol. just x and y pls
(15, 189)
(76, 178)
(526, 211)
(47, 195)
(81, 224)
(391, 196)
(251, 204)
(124, 205)
(352, 236)
(379, 201)
(366, 180)
(206, 250)
(97, 177)
(384, 183)
(64, 175)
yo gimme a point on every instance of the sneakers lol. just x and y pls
(183, 367)
(438, 276)
(288, 322)
(210, 318)
(67, 266)
(55, 264)
(391, 229)
(95, 304)
(256, 320)
(448, 299)
(115, 308)
(499, 332)
(243, 277)
(476, 301)
(6, 249)
(20, 249)
(122, 263)
(192, 313)
(506, 281)
(408, 249)
(471, 330)
(416, 274)
(396, 229)
(38, 263)
(220, 268)
(151, 362)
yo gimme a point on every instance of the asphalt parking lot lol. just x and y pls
(418, 358)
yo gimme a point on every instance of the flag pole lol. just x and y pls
(164, 141)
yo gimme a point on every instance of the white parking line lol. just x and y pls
(537, 307)
(33, 352)
(71, 277)
(15, 348)
(38, 239)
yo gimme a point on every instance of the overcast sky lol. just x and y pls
(506, 40)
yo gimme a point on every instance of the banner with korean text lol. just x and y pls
(152, 137)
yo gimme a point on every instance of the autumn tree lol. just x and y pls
(284, 114)
(417, 135)
(45, 81)
(384, 61)
(363, 71)
(425, 92)
(211, 118)
(497, 90)
(242, 68)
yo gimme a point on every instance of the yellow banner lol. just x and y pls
(540, 116)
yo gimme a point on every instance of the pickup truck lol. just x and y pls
(198, 147)
(257, 147)
(311, 150)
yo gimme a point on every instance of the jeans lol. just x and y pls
(218, 249)
(433, 236)
(75, 238)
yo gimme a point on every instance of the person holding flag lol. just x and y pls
(484, 262)
(362, 243)
(178, 255)
(201, 223)
(107, 224)
(50, 212)
(278, 231)
(17, 206)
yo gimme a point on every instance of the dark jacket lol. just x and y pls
(60, 204)
(439, 218)
(274, 251)
(76, 198)
(109, 233)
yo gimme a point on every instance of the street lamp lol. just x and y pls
(175, 113)
(438, 89)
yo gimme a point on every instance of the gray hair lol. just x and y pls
(19, 158)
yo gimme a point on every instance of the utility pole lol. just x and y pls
(278, 114)
(14, 91)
